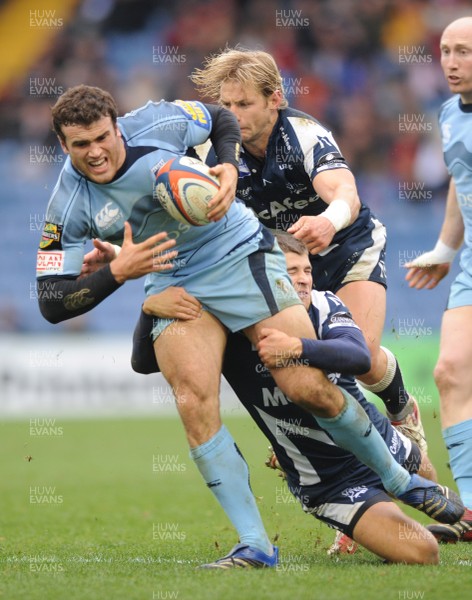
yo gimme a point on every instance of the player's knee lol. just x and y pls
(376, 358)
(446, 374)
(427, 550)
(192, 397)
(421, 548)
(194, 384)
(196, 401)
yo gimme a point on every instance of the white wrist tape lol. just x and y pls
(338, 213)
(117, 249)
(440, 254)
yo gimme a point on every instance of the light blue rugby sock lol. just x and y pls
(226, 474)
(458, 439)
(353, 430)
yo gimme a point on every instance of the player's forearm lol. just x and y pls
(452, 231)
(338, 189)
(345, 354)
(225, 135)
(61, 299)
(347, 192)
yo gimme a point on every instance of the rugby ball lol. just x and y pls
(184, 187)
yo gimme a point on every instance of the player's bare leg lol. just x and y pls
(453, 373)
(427, 469)
(343, 544)
(386, 531)
(190, 354)
(453, 377)
(367, 302)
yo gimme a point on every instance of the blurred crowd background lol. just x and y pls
(368, 69)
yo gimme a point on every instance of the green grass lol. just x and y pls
(118, 527)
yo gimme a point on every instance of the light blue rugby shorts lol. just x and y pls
(461, 291)
(246, 286)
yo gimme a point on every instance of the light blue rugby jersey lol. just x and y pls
(455, 120)
(80, 210)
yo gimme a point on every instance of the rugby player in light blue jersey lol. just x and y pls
(233, 266)
(105, 191)
(453, 372)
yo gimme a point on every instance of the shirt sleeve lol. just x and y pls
(341, 346)
(67, 227)
(318, 147)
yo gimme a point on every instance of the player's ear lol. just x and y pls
(275, 99)
(63, 144)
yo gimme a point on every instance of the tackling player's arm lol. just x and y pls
(225, 137)
(342, 347)
(428, 269)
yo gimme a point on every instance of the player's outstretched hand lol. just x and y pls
(277, 349)
(173, 303)
(135, 260)
(102, 254)
(427, 276)
(228, 177)
(315, 232)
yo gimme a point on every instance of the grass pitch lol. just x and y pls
(115, 509)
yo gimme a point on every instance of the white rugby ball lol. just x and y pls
(184, 187)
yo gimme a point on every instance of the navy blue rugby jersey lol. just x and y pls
(279, 189)
(305, 451)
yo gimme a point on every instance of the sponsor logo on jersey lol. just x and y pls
(108, 216)
(286, 138)
(262, 370)
(50, 261)
(332, 165)
(395, 445)
(157, 166)
(274, 397)
(194, 110)
(51, 236)
(276, 207)
(341, 320)
(353, 493)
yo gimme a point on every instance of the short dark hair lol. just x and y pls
(288, 243)
(82, 105)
